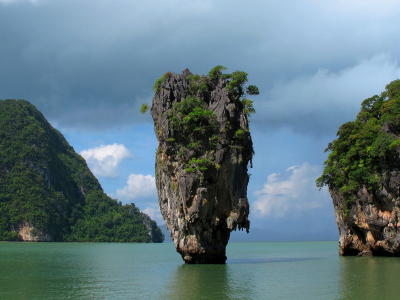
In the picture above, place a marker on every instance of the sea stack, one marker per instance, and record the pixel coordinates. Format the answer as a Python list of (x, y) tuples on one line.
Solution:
[(204, 148), (363, 176)]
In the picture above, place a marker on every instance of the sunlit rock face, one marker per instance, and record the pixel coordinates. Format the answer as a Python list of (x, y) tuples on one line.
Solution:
[(372, 225), (29, 233), (201, 176)]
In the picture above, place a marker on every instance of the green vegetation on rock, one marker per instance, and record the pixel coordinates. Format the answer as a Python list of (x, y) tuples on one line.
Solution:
[(363, 150), (192, 119), (160, 81), (194, 130), (45, 183), (216, 72), (237, 91), (198, 85), (194, 127), (144, 108)]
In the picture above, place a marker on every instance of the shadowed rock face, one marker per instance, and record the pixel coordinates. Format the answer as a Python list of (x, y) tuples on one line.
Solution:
[(372, 226), (203, 206)]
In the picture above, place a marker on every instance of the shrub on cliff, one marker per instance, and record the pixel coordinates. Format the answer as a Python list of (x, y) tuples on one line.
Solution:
[(160, 81), (193, 127), (363, 149), (198, 85)]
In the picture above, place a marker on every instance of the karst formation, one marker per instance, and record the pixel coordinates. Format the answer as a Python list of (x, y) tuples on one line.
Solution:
[(204, 150)]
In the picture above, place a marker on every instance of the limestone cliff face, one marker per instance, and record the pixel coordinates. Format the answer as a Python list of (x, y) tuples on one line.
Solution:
[(29, 233), (372, 225), (202, 205)]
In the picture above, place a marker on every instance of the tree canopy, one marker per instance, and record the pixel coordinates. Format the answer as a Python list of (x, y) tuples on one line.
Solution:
[(363, 150)]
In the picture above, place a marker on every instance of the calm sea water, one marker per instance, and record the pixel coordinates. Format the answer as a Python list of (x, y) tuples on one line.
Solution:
[(301, 270)]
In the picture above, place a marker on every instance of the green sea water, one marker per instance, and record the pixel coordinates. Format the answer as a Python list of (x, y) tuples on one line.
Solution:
[(301, 270)]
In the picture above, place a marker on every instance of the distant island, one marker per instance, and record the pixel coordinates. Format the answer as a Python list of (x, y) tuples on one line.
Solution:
[(363, 175), (48, 193)]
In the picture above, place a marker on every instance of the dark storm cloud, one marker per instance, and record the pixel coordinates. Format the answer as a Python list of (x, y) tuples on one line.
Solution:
[(90, 64), (320, 103)]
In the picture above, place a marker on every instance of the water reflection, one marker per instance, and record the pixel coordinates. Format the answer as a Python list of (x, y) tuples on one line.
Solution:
[(267, 260), (199, 282), (241, 278), (369, 277)]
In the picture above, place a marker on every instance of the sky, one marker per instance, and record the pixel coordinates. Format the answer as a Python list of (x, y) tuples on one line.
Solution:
[(88, 65)]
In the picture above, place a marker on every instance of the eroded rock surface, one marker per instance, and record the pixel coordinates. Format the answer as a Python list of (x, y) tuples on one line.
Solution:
[(201, 206), (29, 233), (372, 225)]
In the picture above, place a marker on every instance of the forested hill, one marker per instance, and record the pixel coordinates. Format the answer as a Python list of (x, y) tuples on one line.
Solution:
[(47, 191)]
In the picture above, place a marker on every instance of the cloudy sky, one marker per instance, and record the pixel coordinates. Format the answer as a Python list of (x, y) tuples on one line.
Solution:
[(89, 64)]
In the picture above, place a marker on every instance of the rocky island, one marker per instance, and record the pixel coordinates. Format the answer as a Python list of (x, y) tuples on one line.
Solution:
[(363, 175), (48, 193), (204, 149)]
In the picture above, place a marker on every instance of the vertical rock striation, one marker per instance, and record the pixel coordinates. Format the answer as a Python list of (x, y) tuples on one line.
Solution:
[(372, 225), (204, 147)]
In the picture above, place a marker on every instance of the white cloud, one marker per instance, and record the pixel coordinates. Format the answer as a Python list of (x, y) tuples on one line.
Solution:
[(104, 160), (297, 192), (138, 186)]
